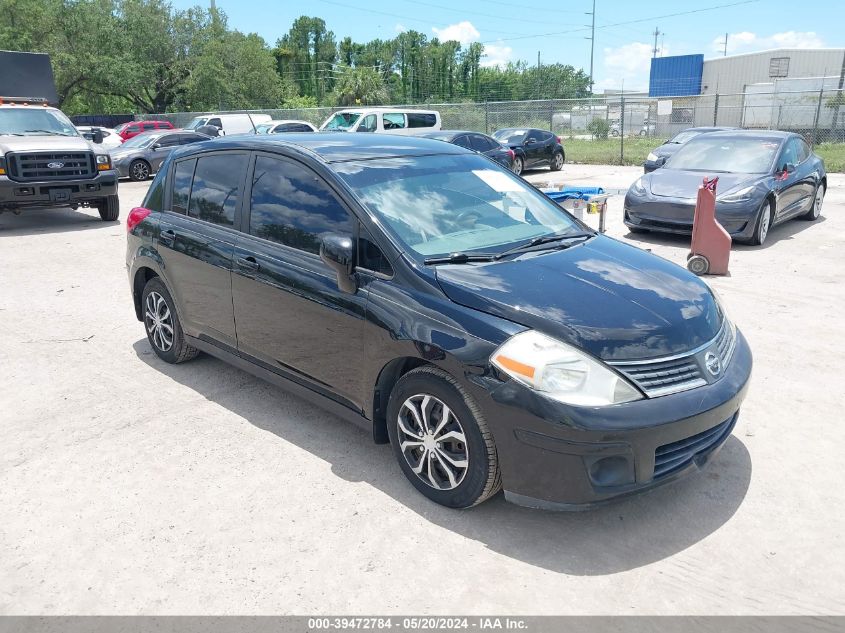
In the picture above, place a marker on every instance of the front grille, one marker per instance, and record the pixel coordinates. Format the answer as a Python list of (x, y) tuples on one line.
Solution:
[(671, 457), (31, 166), (663, 376)]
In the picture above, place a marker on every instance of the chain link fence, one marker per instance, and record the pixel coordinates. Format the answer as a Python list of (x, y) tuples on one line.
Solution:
[(622, 129)]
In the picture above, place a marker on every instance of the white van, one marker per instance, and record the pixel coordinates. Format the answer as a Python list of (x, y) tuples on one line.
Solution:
[(230, 123), (390, 120)]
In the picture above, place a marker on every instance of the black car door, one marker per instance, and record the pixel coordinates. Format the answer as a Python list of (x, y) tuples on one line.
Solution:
[(290, 314), (196, 240), (534, 148)]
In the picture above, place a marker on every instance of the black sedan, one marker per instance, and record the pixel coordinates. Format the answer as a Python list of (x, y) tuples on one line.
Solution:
[(533, 148), (657, 157), (142, 155), (765, 178), (475, 141)]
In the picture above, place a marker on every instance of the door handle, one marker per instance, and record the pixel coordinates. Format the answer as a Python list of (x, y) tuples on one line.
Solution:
[(168, 237), (247, 262)]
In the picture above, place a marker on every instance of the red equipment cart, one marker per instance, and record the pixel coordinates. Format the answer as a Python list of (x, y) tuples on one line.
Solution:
[(711, 244)]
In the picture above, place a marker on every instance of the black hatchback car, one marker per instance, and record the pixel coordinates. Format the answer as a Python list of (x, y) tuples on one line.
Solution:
[(477, 142), (445, 306), (534, 148)]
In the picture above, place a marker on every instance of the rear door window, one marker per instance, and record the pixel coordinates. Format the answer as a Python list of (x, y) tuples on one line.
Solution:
[(462, 141), (393, 121), (215, 122), (421, 119), (290, 205), (481, 143), (169, 140), (216, 188), (369, 124)]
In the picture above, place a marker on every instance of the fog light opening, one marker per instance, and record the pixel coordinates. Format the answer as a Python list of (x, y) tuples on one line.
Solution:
[(611, 471)]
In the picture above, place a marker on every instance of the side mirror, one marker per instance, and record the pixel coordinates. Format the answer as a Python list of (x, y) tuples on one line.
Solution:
[(156, 146), (789, 168), (660, 161), (338, 252), (97, 136)]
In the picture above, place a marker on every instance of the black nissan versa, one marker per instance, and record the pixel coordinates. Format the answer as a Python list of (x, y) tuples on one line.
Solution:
[(443, 304)]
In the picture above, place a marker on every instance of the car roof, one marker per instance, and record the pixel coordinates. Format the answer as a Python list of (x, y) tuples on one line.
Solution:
[(335, 147), (278, 121), (774, 135), (443, 134)]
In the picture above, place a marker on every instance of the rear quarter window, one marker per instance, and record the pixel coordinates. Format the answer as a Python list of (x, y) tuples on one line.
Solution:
[(417, 119)]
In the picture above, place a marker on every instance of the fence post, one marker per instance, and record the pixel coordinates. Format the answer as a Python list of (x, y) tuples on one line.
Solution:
[(486, 116), (551, 115), (716, 110), (622, 129), (816, 118)]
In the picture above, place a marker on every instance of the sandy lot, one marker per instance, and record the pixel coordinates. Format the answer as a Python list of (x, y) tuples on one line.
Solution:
[(131, 486)]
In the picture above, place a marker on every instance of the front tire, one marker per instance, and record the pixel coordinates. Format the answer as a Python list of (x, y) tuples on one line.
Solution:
[(139, 170), (763, 224), (557, 162), (815, 210), (161, 322), (518, 165), (109, 208), (441, 440)]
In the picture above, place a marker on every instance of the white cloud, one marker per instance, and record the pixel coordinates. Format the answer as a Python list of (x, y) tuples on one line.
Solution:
[(400, 28), (496, 55), (629, 63), (747, 42), (463, 32)]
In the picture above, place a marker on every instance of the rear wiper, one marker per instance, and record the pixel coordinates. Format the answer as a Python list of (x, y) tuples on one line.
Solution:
[(548, 239), (51, 132), (461, 258)]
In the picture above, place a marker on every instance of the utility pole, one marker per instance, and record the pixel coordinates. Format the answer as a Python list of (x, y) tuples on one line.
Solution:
[(592, 39), (538, 74), (725, 49), (654, 50)]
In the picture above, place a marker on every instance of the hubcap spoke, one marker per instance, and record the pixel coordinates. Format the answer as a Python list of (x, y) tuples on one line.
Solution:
[(159, 322)]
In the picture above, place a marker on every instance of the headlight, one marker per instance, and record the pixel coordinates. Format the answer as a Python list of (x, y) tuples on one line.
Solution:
[(561, 371), (103, 162), (651, 156), (737, 196), (638, 188)]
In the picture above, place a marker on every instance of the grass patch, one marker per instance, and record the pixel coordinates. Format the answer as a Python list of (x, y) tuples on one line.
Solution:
[(833, 155), (606, 152)]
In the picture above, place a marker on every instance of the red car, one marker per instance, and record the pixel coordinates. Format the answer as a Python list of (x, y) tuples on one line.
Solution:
[(134, 128)]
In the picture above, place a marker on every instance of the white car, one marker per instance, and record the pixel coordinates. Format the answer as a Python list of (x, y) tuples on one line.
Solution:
[(277, 127), (389, 120), (111, 139), (238, 123)]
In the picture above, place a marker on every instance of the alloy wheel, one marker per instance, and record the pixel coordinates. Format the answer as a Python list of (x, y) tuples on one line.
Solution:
[(159, 321), (558, 161), (817, 202), (517, 166), (140, 171), (432, 441)]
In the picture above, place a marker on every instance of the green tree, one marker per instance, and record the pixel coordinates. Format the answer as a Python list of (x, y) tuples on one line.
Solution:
[(306, 56), (362, 85)]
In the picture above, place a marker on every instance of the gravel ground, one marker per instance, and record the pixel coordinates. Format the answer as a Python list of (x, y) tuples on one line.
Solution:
[(130, 486)]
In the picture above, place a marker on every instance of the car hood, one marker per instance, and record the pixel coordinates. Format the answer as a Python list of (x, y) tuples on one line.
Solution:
[(119, 152), (45, 143), (613, 300), (677, 183)]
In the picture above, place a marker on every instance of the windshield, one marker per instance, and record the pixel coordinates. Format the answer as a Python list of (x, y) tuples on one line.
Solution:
[(341, 121), (682, 137), (197, 122), (263, 128), (733, 155), (140, 141), (510, 137), (34, 121), (444, 204)]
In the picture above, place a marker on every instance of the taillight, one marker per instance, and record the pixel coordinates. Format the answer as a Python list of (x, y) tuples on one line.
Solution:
[(135, 216), (559, 140), (512, 153)]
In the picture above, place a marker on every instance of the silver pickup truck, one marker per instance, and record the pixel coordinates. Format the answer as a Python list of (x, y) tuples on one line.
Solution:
[(46, 163)]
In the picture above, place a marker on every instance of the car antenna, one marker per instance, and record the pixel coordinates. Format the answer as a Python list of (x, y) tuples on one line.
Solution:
[(252, 123)]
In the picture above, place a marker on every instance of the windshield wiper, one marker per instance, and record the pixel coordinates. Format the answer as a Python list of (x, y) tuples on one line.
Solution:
[(51, 132), (563, 240), (461, 258)]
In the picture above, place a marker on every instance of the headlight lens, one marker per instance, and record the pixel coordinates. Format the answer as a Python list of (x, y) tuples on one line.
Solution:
[(561, 371), (651, 156), (638, 188), (103, 162), (737, 196)]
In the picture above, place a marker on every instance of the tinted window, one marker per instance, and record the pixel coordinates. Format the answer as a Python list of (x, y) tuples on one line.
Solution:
[(217, 188), (462, 141), (190, 138), (291, 206), (482, 143), (183, 174), (370, 255), (418, 119), (393, 121), (803, 150), (149, 125), (790, 153), (169, 140), (215, 122), (510, 137), (133, 128), (155, 195), (303, 128)]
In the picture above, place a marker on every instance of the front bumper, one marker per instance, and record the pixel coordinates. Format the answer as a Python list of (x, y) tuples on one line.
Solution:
[(675, 215), (56, 193), (557, 456)]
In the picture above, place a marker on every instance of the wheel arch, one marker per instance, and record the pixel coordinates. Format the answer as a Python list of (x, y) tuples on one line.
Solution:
[(386, 381), (139, 281)]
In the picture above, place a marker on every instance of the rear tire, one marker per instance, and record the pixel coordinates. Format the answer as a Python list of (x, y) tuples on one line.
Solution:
[(518, 165), (109, 208), (461, 468), (161, 322), (557, 162), (815, 210)]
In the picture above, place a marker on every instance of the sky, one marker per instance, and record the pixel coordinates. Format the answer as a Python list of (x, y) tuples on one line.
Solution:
[(559, 31)]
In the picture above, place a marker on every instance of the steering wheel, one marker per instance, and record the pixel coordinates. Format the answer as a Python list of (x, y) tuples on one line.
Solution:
[(464, 216)]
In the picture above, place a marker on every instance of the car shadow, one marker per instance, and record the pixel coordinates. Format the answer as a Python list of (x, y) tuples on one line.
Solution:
[(620, 536), (48, 221), (778, 233)]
